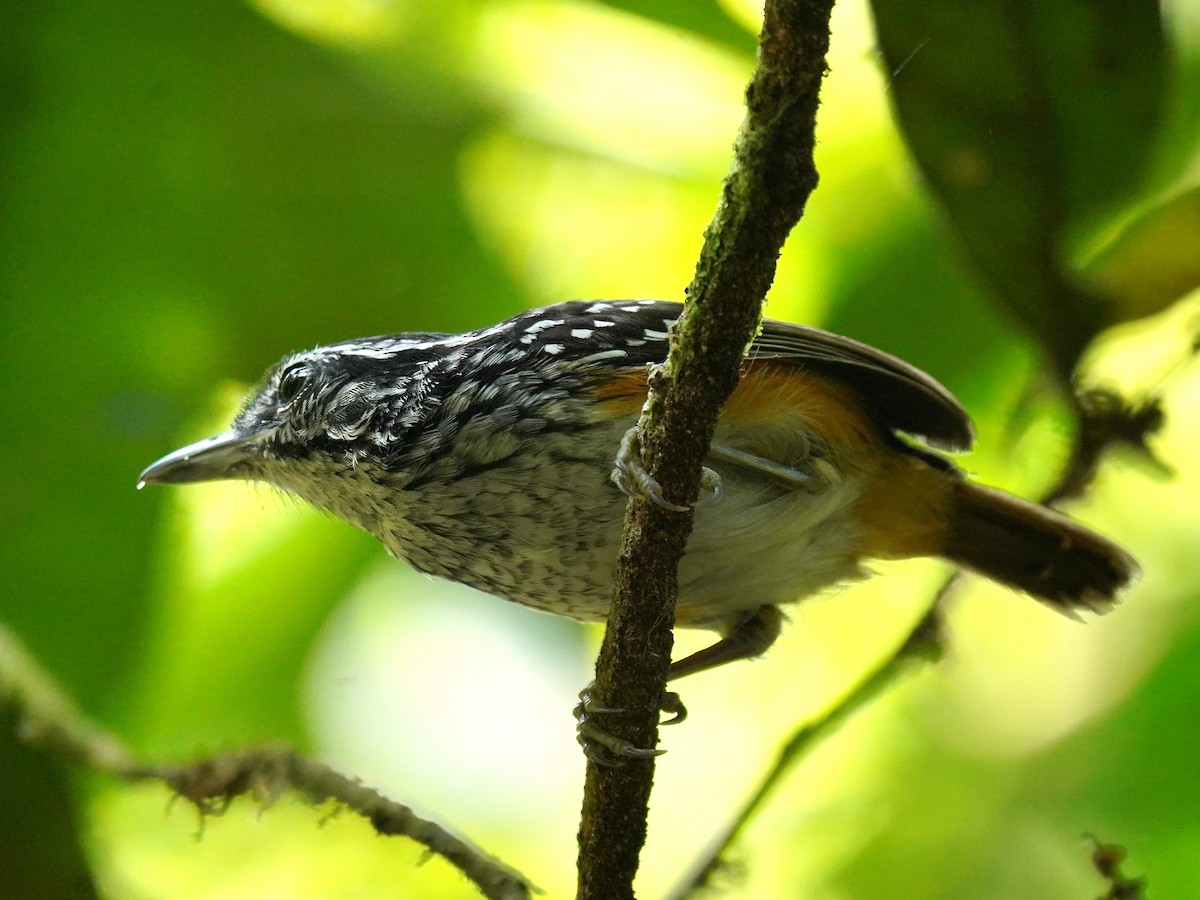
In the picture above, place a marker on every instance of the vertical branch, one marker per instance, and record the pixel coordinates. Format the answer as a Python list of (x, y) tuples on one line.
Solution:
[(764, 196)]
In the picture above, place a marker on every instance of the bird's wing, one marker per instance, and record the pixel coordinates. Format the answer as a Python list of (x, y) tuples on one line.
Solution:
[(898, 394)]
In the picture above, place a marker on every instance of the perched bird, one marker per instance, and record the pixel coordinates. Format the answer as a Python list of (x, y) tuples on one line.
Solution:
[(487, 458)]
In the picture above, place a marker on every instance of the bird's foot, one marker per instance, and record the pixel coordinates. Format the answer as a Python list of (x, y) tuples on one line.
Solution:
[(608, 750), (631, 477)]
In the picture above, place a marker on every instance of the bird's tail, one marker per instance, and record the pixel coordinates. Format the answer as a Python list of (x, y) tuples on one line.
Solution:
[(1035, 549)]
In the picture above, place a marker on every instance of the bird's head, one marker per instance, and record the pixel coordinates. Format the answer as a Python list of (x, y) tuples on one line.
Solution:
[(341, 411)]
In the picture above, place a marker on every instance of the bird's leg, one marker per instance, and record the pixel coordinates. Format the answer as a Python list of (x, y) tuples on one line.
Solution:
[(749, 637)]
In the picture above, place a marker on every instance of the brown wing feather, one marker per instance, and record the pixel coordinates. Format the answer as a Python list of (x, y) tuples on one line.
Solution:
[(898, 394)]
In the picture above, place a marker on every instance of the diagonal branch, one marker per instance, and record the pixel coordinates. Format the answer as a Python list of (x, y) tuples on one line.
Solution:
[(1103, 421), (764, 196), (47, 719)]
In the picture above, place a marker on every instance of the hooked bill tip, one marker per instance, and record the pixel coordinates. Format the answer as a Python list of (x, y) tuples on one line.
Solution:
[(213, 459)]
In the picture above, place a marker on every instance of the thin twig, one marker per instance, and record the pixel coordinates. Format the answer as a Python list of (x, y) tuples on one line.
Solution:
[(1101, 425), (47, 719), (764, 195), (924, 642)]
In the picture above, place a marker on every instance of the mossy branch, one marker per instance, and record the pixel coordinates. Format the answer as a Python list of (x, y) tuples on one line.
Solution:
[(47, 719), (772, 176)]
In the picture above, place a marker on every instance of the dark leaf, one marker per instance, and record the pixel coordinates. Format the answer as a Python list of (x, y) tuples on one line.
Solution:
[(1031, 121)]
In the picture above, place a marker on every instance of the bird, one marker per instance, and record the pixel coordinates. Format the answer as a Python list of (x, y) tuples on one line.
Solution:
[(487, 458)]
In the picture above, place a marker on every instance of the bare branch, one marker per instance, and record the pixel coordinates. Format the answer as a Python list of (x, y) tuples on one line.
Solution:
[(47, 719)]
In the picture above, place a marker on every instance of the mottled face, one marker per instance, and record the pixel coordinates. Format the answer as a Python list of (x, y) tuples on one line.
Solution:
[(330, 412), (320, 403)]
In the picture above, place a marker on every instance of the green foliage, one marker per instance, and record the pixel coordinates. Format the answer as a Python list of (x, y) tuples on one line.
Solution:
[(190, 192), (1030, 121)]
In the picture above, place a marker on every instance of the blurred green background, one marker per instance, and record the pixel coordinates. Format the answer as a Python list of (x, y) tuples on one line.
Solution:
[(190, 191)]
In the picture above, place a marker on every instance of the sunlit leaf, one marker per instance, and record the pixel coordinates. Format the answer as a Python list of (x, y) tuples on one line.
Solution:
[(1155, 260), (706, 19)]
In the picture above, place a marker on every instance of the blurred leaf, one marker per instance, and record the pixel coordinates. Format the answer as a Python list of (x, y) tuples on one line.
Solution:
[(1030, 122), (190, 194), (706, 19), (909, 268), (1141, 788), (670, 107), (233, 635), (41, 856), (1155, 260), (187, 196)]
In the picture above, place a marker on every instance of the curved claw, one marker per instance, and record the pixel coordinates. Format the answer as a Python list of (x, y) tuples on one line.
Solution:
[(711, 488), (632, 478), (671, 703), (634, 481), (608, 750), (587, 706), (618, 750)]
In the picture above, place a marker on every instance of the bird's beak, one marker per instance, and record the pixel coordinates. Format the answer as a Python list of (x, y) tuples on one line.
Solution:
[(214, 459)]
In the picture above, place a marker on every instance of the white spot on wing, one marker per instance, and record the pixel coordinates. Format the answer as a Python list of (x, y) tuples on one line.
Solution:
[(542, 325)]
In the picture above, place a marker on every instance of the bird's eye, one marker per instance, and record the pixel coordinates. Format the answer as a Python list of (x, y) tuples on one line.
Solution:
[(290, 382)]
